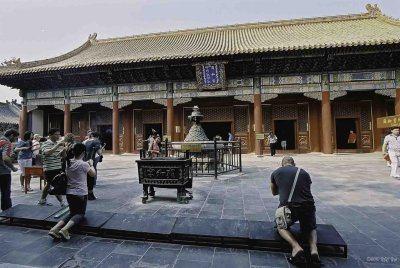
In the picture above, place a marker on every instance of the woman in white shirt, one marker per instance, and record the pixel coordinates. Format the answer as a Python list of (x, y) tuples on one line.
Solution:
[(77, 192)]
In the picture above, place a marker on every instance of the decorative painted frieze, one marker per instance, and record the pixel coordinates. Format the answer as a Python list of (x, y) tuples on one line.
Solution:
[(121, 104), (290, 80), (288, 89), (108, 105), (185, 85), (91, 99), (30, 108), (75, 106), (31, 95), (387, 92), (90, 91), (175, 102), (361, 76), (142, 96), (59, 107), (142, 88), (250, 98), (265, 97), (318, 95), (234, 83), (38, 102), (362, 86), (219, 93)]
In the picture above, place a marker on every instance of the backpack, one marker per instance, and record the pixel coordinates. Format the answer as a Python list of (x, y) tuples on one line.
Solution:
[(58, 185)]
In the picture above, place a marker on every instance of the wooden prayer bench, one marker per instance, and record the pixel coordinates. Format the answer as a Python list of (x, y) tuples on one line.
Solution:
[(33, 171)]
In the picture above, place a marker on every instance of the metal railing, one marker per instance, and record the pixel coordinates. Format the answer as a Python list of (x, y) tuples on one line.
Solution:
[(209, 158)]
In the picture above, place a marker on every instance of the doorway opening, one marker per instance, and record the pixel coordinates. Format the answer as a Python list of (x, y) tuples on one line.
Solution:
[(213, 129), (285, 130), (343, 128), (105, 132), (149, 127)]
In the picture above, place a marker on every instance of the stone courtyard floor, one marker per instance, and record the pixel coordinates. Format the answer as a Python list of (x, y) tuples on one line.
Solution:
[(353, 192)]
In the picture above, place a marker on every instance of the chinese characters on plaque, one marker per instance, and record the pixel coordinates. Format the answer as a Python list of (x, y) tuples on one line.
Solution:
[(210, 75), (388, 121)]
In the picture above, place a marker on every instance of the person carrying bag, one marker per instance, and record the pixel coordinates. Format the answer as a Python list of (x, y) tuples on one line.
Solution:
[(283, 215)]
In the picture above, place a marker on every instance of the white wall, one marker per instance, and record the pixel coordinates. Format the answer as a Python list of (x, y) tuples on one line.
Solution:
[(37, 122)]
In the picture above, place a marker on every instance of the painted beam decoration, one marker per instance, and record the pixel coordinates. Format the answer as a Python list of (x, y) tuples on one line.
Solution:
[(210, 75)]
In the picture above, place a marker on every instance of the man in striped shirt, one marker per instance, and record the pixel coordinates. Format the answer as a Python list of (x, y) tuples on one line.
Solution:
[(52, 153), (6, 166)]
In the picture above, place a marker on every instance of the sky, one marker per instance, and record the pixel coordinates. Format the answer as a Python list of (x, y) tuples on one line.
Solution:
[(39, 29)]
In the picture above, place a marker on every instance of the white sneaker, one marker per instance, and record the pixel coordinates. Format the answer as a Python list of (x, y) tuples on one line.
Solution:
[(54, 234), (63, 204), (23, 188), (43, 202), (64, 234)]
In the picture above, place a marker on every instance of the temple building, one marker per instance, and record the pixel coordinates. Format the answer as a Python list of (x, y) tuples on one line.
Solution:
[(310, 81), (9, 115)]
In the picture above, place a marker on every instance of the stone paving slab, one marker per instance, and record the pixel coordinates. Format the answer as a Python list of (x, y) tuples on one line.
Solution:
[(353, 192)]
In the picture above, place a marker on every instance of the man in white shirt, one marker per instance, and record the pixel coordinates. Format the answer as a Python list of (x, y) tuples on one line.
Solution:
[(391, 146)]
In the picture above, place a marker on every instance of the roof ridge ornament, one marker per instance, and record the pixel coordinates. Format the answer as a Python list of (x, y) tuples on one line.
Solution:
[(12, 62), (373, 10), (92, 38)]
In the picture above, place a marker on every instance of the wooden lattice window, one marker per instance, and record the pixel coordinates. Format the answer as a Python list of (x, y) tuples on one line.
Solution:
[(165, 121), (284, 111), (267, 117), (217, 113), (346, 110), (153, 116), (303, 117), (241, 119), (365, 122), (138, 121), (186, 122), (75, 123)]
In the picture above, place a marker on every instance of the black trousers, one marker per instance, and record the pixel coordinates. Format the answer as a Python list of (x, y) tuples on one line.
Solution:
[(77, 207), (90, 183), (5, 187), (273, 148)]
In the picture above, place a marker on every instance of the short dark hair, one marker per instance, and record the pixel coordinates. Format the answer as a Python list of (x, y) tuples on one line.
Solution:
[(95, 134), (27, 135), (53, 130), (10, 132)]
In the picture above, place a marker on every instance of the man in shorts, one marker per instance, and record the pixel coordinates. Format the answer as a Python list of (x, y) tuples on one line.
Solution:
[(301, 205), (53, 152)]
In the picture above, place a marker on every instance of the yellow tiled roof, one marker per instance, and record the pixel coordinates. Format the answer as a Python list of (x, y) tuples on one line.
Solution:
[(371, 28)]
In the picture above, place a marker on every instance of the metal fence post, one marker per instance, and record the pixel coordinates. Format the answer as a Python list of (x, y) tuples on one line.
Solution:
[(166, 147), (215, 159), (240, 154)]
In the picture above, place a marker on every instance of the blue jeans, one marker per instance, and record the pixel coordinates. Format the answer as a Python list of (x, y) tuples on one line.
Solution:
[(5, 187)]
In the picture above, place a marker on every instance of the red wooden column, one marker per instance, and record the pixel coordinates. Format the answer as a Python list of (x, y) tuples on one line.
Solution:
[(170, 111), (258, 116), (170, 118), (67, 118), (397, 102), (23, 120), (115, 127), (326, 116)]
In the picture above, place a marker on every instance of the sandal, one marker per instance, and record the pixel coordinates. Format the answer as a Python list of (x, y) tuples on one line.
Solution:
[(299, 260), (315, 261)]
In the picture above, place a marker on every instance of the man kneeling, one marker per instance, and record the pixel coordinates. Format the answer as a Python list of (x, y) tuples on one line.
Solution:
[(301, 205)]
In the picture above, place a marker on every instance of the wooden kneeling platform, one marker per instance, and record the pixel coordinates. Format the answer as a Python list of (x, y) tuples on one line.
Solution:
[(179, 230)]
